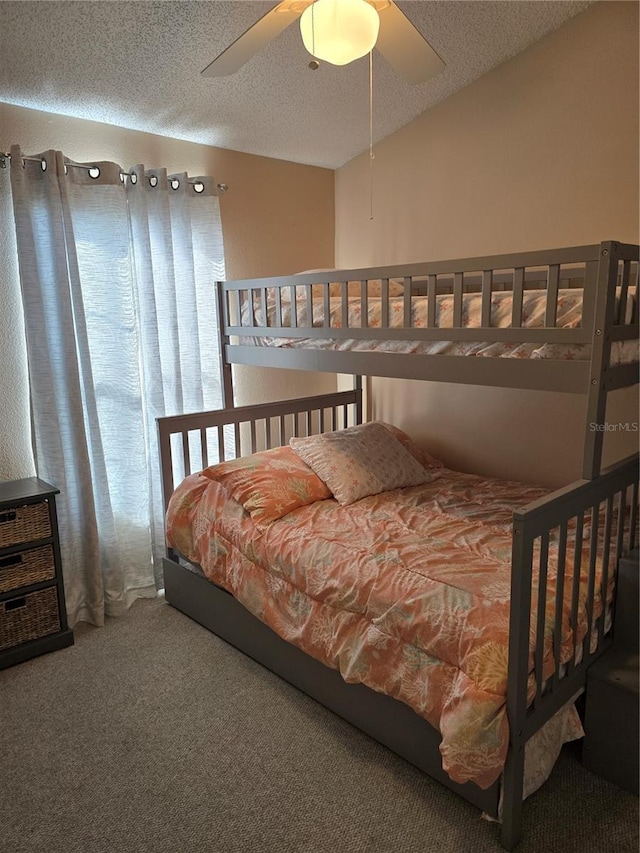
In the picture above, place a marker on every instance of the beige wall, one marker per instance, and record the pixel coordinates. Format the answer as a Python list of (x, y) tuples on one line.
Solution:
[(540, 152), (277, 217)]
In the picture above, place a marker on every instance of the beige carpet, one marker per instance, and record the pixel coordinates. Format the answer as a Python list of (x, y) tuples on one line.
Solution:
[(153, 736)]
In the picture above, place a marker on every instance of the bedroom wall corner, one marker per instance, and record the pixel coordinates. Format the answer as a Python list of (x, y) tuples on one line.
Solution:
[(540, 152)]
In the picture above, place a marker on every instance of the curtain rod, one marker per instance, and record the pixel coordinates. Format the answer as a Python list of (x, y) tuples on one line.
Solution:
[(4, 157)]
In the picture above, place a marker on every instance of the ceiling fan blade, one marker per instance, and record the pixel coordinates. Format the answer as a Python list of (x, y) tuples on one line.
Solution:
[(404, 48), (255, 38)]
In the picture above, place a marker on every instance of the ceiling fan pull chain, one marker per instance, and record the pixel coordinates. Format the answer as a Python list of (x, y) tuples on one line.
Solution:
[(371, 154)]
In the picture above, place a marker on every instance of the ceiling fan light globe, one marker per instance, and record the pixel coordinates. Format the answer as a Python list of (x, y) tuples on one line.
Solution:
[(339, 31)]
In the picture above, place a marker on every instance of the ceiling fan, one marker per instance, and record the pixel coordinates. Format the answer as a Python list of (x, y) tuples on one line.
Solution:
[(338, 31)]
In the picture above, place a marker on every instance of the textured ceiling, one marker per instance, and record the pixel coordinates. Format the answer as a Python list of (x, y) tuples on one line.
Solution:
[(138, 64)]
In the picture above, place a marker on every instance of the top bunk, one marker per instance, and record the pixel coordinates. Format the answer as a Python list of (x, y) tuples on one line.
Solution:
[(554, 320)]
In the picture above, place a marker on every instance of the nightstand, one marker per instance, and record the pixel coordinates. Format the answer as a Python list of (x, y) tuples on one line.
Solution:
[(33, 618)]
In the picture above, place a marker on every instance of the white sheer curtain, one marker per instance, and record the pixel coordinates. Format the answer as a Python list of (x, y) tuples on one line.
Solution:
[(117, 275)]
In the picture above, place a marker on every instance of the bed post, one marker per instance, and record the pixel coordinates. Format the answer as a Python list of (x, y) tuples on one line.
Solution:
[(357, 387), (519, 620), (603, 321), (225, 368)]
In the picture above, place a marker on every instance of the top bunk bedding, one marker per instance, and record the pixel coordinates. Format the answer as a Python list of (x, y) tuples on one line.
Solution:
[(552, 320), (368, 314)]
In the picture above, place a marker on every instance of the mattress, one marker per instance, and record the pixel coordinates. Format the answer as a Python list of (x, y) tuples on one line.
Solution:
[(406, 592), (569, 316)]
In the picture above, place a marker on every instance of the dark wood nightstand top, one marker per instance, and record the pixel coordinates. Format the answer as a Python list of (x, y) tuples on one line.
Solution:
[(25, 490)]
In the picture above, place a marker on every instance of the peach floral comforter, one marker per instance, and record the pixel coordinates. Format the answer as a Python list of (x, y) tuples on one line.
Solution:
[(569, 316), (406, 591)]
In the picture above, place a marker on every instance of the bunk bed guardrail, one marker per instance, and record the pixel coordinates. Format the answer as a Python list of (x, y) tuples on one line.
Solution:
[(599, 517), (580, 268)]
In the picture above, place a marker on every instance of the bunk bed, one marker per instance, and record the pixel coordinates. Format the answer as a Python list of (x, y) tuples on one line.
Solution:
[(562, 320)]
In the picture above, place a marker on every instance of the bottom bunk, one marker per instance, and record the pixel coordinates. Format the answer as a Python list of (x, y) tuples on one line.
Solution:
[(557, 598)]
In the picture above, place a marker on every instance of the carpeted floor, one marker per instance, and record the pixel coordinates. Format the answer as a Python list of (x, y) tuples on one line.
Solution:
[(153, 736)]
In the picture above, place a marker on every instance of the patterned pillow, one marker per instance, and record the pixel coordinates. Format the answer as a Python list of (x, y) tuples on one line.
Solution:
[(418, 453), (360, 461), (269, 484)]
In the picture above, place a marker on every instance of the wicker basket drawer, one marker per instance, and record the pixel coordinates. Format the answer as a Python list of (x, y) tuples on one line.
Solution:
[(28, 617), (24, 524), (27, 567)]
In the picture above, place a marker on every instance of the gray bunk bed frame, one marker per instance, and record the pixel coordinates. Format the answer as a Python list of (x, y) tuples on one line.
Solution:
[(607, 499)]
